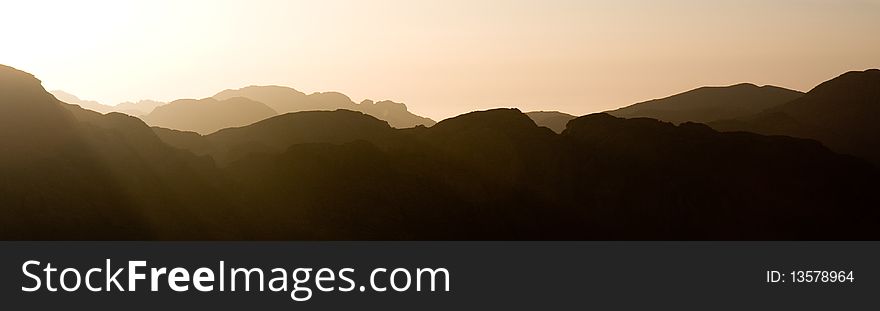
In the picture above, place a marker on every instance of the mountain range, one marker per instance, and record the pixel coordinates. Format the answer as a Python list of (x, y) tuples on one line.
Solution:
[(70, 173), (234, 108), (137, 109), (284, 100), (839, 113)]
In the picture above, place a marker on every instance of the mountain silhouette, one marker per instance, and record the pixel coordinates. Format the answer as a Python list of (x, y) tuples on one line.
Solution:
[(497, 175), (208, 115), (85, 104), (841, 113), (284, 100), (71, 173), (278, 133), (553, 120), (708, 104)]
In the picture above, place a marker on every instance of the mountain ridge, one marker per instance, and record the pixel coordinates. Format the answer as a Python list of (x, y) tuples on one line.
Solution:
[(71, 173), (285, 99), (840, 113), (710, 103)]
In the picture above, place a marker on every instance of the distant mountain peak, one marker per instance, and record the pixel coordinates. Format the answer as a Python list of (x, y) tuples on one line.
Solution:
[(285, 99)]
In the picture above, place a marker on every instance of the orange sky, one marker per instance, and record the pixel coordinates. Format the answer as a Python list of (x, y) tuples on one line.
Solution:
[(441, 58)]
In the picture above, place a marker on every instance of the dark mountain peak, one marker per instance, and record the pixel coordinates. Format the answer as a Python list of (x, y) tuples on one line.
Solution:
[(277, 133), (497, 119), (867, 72), (841, 113), (607, 118), (603, 126), (711, 103), (601, 122), (849, 100), (749, 85), (319, 116), (867, 81), (305, 123)]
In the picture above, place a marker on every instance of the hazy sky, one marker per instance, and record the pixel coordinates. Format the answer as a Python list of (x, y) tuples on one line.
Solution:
[(441, 57)]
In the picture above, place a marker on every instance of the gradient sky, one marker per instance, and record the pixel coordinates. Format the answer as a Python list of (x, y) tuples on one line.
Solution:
[(441, 58)]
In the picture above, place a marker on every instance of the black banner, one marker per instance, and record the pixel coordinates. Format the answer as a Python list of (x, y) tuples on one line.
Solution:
[(468, 275)]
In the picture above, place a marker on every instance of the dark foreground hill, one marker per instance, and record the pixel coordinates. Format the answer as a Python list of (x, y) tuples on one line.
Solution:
[(74, 174), (842, 113), (497, 175), (708, 104), (71, 173)]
